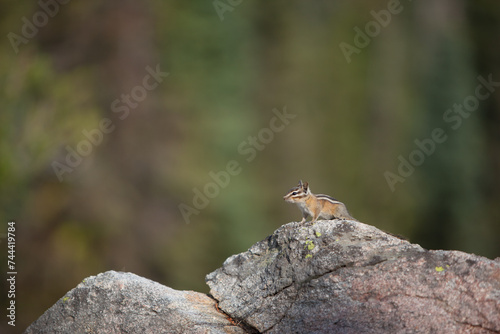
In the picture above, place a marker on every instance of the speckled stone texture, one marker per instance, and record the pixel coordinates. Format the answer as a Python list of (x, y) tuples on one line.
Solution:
[(116, 302), (348, 277), (328, 277)]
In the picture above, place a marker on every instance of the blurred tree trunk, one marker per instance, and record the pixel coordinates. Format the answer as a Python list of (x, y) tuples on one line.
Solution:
[(450, 176), (115, 210), (484, 22)]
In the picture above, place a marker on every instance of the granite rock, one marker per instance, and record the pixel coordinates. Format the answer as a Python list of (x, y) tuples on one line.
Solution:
[(117, 302), (348, 277), (332, 276)]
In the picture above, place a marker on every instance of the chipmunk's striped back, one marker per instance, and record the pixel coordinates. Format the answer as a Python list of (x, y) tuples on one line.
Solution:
[(328, 198)]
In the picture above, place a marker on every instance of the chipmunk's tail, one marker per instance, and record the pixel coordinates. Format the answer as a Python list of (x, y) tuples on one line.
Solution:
[(344, 214)]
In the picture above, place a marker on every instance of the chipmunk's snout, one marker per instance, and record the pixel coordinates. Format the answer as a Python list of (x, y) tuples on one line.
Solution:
[(291, 196)]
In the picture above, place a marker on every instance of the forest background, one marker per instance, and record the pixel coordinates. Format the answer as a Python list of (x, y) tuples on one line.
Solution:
[(158, 137)]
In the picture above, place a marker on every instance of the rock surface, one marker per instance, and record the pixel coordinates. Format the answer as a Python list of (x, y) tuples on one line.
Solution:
[(327, 277), (348, 277), (115, 302)]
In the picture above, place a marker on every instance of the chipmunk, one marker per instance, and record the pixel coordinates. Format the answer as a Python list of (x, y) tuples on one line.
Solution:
[(316, 205)]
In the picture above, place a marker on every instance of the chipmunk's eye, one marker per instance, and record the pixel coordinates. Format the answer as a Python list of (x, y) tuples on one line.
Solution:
[(294, 193)]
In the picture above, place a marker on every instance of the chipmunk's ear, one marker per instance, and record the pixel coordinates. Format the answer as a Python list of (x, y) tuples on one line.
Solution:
[(305, 186), (300, 183)]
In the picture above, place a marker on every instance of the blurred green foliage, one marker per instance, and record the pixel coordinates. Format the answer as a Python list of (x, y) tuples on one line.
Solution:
[(119, 208)]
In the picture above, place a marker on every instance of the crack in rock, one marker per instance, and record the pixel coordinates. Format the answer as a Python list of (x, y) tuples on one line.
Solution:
[(332, 276)]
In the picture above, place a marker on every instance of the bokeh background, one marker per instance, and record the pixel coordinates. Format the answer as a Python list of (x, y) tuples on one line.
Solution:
[(230, 64)]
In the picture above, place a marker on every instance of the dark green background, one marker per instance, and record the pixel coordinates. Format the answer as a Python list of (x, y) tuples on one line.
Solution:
[(119, 208)]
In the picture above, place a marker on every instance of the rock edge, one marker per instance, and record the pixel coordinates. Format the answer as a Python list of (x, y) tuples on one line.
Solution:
[(118, 302)]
